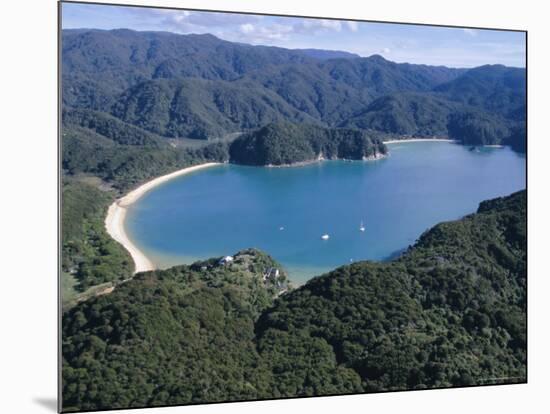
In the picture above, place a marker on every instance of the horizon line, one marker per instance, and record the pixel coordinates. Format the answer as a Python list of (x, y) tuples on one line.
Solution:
[(356, 55)]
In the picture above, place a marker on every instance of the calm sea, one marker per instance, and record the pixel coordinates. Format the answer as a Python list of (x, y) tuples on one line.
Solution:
[(285, 211)]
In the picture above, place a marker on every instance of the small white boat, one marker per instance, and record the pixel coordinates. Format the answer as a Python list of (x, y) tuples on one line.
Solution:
[(362, 227), (325, 237)]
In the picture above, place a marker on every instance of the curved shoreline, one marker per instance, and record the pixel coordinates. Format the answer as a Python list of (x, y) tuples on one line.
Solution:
[(116, 214), (319, 159)]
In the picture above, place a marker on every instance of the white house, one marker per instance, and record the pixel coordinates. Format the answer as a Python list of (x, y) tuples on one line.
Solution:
[(226, 259)]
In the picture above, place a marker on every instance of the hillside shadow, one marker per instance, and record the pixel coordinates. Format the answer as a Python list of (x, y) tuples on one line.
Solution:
[(395, 255)]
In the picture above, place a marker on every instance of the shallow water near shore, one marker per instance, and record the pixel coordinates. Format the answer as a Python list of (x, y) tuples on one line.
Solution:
[(285, 211)]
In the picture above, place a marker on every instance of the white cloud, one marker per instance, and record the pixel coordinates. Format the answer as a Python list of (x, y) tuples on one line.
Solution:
[(470, 32), (169, 12), (246, 28), (353, 26), (277, 31), (210, 19), (180, 17), (183, 21), (260, 34), (331, 24), (312, 26), (386, 50)]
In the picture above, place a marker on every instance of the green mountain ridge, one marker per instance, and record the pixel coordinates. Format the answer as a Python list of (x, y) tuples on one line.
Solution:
[(198, 86), (495, 88), (202, 109), (406, 114)]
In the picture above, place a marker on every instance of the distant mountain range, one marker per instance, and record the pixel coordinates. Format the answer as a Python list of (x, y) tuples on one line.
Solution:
[(327, 54), (202, 87)]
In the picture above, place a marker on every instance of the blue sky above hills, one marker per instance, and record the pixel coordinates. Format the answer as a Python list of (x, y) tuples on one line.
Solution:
[(454, 47)]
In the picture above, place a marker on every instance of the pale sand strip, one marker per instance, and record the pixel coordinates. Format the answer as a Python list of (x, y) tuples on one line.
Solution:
[(114, 222), (396, 141)]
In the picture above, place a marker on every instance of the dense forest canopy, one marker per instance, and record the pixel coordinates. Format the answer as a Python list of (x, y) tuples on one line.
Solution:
[(286, 144), (450, 311)]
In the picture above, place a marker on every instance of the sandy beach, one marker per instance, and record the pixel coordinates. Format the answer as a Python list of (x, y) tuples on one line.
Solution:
[(396, 141), (114, 222)]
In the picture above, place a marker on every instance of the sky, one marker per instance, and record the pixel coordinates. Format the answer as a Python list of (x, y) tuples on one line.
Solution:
[(453, 47)]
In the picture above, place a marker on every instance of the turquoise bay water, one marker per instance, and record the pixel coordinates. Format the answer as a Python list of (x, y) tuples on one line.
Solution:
[(221, 210)]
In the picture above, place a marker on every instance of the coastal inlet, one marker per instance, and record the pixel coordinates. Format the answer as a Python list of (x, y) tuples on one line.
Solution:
[(285, 211)]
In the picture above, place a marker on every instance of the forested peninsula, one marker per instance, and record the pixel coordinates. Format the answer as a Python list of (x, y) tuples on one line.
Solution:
[(289, 144)]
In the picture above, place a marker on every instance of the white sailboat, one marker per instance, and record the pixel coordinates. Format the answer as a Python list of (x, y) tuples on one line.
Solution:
[(325, 237), (361, 226)]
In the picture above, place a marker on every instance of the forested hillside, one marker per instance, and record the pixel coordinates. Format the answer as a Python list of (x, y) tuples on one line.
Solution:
[(89, 256), (449, 311), (287, 144), (201, 87)]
